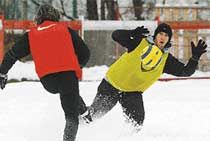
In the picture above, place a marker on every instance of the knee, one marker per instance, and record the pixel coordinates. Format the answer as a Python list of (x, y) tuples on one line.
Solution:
[(70, 105), (50, 89)]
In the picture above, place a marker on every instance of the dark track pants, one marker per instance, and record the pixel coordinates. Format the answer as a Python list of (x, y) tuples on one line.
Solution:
[(108, 96), (66, 84)]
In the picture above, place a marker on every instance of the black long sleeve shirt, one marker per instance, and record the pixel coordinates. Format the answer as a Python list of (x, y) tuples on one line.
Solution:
[(173, 65), (22, 48)]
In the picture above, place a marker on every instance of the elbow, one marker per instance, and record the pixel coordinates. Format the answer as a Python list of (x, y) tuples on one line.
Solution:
[(84, 60), (115, 35), (188, 73)]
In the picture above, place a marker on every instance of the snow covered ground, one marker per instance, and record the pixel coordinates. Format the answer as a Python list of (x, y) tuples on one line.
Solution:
[(175, 111)]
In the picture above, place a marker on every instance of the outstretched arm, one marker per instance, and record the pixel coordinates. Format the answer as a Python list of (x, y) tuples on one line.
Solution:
[(175, 67), (130, 38)]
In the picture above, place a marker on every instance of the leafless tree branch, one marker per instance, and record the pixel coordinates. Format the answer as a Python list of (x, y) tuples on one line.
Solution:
[(35, 2), (63, 12)]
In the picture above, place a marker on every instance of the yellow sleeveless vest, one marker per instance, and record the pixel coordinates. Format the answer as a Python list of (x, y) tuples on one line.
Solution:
[(126, 73)]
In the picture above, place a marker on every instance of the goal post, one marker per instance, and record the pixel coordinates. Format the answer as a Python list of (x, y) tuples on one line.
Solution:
[(1, 37)]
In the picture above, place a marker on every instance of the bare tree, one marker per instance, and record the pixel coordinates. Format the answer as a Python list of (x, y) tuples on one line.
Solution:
[(164, 2), (110, 5), (35, 2), (25, 7), (10, 9), (62, 10), (39, 2), (138, 9), (92, 10)]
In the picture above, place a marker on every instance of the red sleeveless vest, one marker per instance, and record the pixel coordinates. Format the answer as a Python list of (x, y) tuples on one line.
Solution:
[(52, 49)]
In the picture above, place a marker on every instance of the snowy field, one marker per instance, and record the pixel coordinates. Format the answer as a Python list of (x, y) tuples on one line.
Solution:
[(175, 111)]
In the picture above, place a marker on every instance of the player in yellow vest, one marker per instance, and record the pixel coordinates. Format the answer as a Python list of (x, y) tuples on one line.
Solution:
[(137, 69)]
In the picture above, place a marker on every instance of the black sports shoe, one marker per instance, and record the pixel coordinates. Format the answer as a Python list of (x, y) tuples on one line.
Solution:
[(86, 116)]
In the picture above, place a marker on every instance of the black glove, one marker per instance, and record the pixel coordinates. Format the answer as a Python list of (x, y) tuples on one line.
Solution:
[(198, 50), (139, 32), (3, 80)]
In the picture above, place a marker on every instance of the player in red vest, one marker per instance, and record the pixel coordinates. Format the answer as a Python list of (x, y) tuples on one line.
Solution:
[(59, 54)]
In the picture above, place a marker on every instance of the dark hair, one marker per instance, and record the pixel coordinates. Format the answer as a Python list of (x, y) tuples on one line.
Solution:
[(46, 12), (163, 27)]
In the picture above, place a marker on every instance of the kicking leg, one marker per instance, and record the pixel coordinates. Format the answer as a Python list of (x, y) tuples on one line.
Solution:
[(106, 98)]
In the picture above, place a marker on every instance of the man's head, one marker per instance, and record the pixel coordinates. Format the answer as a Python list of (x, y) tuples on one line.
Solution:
[(47, 12), (162, 35)]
